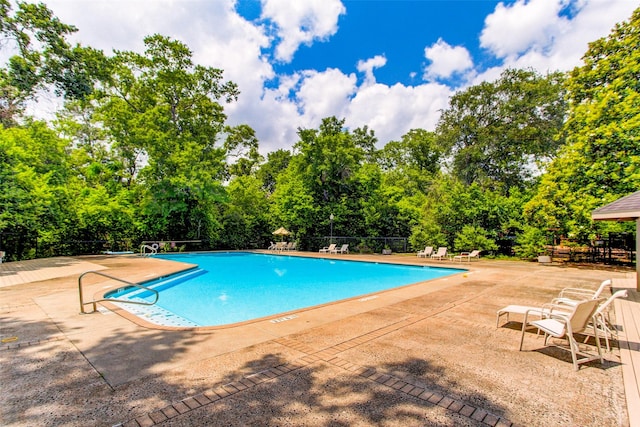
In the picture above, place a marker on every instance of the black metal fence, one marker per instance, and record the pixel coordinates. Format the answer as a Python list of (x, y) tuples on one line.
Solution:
[(617, 249), (18, 247)]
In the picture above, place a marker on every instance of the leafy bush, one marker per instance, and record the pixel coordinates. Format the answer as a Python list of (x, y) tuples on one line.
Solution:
[(472, 237), (363, 248), (530, 243), (427, 233)]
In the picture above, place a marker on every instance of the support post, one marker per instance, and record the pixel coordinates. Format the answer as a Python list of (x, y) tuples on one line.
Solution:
[(637, 254)]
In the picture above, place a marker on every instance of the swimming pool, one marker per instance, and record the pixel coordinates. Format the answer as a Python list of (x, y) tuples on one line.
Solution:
[(240, 286)]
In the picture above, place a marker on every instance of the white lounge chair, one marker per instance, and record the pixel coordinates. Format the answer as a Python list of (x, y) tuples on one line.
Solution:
[(570, 296), (271, 247), (541, 311), (467, 256), (328, 249), (343, 250), (565, 325), (560, 304), (442, 252), (603, 323), (426, 252)]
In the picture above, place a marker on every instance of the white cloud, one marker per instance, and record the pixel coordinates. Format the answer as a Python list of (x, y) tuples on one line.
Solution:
[(326, 93), (301, 22), (391, 111), (526, 36), (520, 34), (274, 118), (369, 65), (524, 25), (595, 19), (446, 60)]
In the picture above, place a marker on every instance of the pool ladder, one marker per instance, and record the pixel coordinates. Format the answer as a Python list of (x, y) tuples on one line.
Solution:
[(94, 302), (153, 249)]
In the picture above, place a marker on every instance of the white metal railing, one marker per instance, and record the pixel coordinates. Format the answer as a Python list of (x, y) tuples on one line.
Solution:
[(153, 249), (137, 285)]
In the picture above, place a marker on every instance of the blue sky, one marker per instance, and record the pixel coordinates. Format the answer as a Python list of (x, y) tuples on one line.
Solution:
[(399, 30), (389, 64)]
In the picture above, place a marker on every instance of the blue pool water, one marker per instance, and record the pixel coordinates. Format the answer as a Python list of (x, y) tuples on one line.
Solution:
[(236, 287)]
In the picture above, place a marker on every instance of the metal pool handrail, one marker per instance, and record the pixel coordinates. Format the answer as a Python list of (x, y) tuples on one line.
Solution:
[(137, 285)]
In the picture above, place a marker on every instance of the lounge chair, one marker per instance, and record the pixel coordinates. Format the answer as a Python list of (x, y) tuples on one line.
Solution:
[(525, 310), (565, 325), (467, 256), (570, 296), (328, 249), (442, 252), (561, 304), (271, 247), (603, 323), (291, 246), (426, 253), (343, 250)]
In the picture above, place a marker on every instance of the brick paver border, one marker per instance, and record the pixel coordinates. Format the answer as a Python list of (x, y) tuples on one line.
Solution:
[(327, 355), (12, 345)]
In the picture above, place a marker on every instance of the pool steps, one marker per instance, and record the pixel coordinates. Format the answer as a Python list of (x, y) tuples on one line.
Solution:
[(154, 313)]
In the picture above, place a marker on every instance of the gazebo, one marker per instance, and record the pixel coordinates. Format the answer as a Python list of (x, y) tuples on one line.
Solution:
[(624, 209)]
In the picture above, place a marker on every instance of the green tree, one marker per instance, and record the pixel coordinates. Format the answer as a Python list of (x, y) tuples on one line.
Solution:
[(472, 237), (292, 204), (245, 217), (417, 150), (449, 206), (427, 232), (328, 163), (530, 243), (601, 161), (44, 57), (277, 161), (33, 178), (241, 146), (498, 131), (412, 162), (162, 107)]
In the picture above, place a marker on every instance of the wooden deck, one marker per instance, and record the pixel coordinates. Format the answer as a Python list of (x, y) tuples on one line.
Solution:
[(628, 316)]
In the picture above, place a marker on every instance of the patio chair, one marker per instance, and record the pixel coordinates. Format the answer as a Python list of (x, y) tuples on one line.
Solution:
[(559, 325), (292, 246), (541, 311), (343, 250), (442, 252), (570, 296), (271, 247), (426, 252), (603, 322), (467, 256), (328, 249)]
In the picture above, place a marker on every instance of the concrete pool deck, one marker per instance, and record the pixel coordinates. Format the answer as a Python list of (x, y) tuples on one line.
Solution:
[(426, 354)]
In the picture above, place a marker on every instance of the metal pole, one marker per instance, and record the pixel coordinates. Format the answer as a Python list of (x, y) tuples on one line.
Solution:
[(331, 230)]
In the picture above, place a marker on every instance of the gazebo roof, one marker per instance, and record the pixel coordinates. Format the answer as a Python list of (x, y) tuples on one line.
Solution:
[(624, 209)]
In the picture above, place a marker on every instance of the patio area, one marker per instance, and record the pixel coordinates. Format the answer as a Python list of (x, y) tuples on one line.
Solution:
[(425, 354)]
